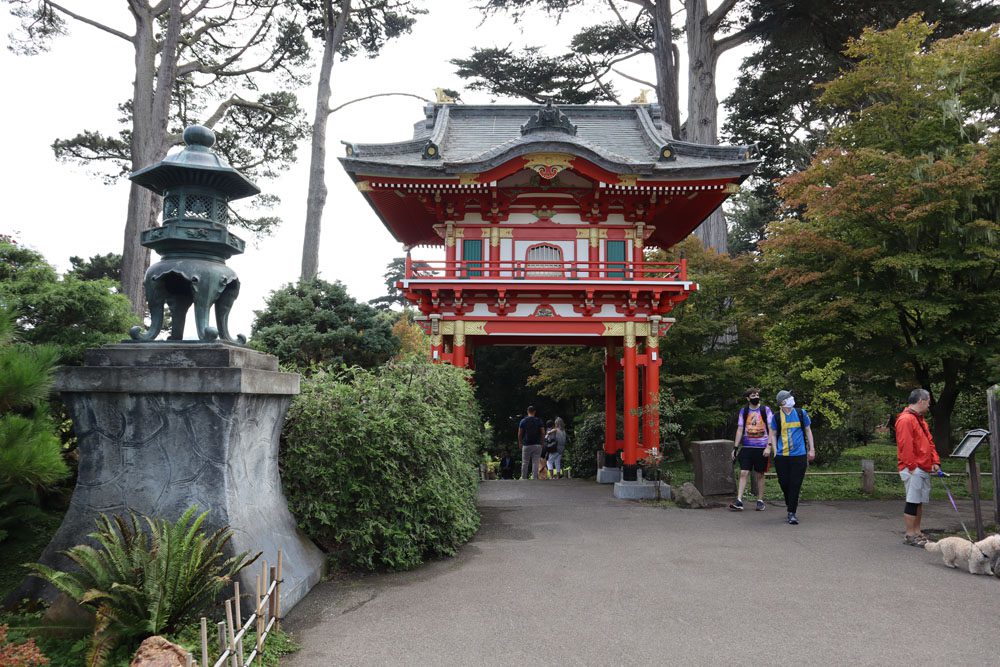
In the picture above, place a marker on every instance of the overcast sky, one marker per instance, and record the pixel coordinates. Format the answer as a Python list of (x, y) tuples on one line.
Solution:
[(63, 210)]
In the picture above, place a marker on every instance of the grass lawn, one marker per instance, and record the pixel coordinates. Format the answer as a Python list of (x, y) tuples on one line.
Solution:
[(848, 487)]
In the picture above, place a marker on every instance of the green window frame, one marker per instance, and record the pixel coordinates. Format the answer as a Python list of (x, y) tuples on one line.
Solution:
[(615, 252), (472, 257)]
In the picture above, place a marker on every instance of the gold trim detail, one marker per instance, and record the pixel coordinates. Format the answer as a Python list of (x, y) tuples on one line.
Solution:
[(475, 328), (652, 342), (593, 234), (547, 165), (459, 333), (628, 180), (468, 179), (614, 329), (364, 186), (448, 328), (506, 232), (436, 340), (630, 334), (732, 188)]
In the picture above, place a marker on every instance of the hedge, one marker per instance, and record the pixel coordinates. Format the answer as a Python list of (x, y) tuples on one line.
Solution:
[(379, 466)]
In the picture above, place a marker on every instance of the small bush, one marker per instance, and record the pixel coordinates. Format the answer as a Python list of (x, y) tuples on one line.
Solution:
[(380, 467)]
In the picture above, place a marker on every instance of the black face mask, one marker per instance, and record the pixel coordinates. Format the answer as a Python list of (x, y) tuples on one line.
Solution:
[(755, 402)]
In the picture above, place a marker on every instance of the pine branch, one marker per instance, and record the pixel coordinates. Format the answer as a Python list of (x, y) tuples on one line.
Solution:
[(89, 21)]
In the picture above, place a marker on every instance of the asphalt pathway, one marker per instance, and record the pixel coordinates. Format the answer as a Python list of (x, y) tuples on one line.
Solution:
[(561, 573)]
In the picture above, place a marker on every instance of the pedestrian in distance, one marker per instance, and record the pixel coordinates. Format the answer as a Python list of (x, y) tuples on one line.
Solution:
[(555, 440), (918, 460), (530, 432), (790, 433), (750, 445), (547, 441)]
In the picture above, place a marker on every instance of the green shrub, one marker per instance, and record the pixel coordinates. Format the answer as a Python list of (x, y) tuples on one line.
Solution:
[(586, 440), (380, 467), (30, 456), (141, 585)]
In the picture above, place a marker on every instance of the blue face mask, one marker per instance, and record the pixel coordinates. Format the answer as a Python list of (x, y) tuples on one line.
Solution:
[(790, 402)]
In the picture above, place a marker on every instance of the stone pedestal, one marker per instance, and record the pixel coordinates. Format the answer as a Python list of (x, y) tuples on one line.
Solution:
[(713, 467), (164, 426), (609, 475), (641, 490)]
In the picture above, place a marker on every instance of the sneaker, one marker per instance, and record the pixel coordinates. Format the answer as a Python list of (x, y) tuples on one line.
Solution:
[(736, 506), (760, 506), (792, 519)]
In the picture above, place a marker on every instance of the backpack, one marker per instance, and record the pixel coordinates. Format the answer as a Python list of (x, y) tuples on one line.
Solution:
[(745, 410)]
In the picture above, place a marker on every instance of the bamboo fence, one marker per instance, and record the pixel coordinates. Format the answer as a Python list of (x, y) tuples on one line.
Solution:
[(266, 616)]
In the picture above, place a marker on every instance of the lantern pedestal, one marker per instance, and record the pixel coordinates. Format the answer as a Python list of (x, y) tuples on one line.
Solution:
[(164, 426)]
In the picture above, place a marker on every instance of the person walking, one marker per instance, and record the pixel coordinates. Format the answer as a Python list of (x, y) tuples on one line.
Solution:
[(918, 460), (530, 432), (749, 445), (789, 434), (558, 439)]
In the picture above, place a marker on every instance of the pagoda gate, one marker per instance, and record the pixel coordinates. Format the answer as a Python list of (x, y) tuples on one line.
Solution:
[(544, 214)]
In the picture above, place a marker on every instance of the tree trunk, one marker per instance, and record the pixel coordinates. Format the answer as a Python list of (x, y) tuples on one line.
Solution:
[(942, 408), (701, 126), (316, 197), (666, 67), (151, 96)]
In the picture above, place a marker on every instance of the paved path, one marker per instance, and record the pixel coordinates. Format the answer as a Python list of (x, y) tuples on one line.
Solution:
[(594, 581)]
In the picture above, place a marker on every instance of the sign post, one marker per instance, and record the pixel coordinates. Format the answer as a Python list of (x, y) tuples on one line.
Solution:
[(967, 450)]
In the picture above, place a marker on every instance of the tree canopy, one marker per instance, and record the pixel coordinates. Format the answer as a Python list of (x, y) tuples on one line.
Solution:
[(894, 266), (315, 322)]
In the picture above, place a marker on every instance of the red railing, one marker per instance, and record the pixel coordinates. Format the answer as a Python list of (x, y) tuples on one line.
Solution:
[(417, 269)]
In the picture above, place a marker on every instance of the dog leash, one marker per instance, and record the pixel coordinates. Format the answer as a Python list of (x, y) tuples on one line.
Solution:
[(941, 474)]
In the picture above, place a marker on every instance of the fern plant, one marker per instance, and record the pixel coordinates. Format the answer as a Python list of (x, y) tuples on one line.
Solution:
[(148, 577)]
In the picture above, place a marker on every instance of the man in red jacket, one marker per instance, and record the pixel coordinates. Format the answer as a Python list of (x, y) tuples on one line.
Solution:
[(918, 459)]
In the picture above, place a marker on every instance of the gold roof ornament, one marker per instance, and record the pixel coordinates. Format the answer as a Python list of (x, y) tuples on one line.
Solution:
[(643, 97), (442, 97)]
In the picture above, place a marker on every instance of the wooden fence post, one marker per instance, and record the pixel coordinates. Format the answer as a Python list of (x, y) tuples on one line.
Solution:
[(993, 407), (867, 476), (204, 642)]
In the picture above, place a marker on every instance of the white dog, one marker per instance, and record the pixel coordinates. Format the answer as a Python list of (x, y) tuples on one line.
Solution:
[(954, 550)]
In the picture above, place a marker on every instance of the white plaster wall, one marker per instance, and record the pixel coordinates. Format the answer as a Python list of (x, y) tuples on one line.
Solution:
[(480, 310), (607, 310), (567, 247)]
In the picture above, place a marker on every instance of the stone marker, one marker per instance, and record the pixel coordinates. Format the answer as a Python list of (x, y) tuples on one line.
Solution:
[(713, 467)]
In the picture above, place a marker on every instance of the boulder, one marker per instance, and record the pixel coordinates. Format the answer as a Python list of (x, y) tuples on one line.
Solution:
[(689, 496), (158, 652)]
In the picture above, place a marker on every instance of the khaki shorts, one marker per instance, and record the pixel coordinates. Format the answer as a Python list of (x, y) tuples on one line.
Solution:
[(918, 485)]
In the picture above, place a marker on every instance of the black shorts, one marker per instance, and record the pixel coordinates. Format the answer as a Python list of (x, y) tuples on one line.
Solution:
[(752, 458)]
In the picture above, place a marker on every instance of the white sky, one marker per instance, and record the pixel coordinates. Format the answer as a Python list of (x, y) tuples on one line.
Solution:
[(63, 210)]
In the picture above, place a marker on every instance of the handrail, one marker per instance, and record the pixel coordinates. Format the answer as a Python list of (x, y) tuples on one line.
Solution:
[(541, 269)]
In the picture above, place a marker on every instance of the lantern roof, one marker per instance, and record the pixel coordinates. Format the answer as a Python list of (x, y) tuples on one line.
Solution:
[(196, 165)]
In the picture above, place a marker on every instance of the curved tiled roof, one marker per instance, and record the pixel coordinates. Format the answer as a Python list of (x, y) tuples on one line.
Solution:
[(457, 138)]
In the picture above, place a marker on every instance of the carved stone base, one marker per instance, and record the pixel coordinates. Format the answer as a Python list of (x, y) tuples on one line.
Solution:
[(164, 426)]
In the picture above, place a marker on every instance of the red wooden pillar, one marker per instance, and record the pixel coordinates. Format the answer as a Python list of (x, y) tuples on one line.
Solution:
[(458, 357), (630, 455), (651, 394), (494, 259), (638, 256), (610, 401), (449, 251), (594, 254)]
